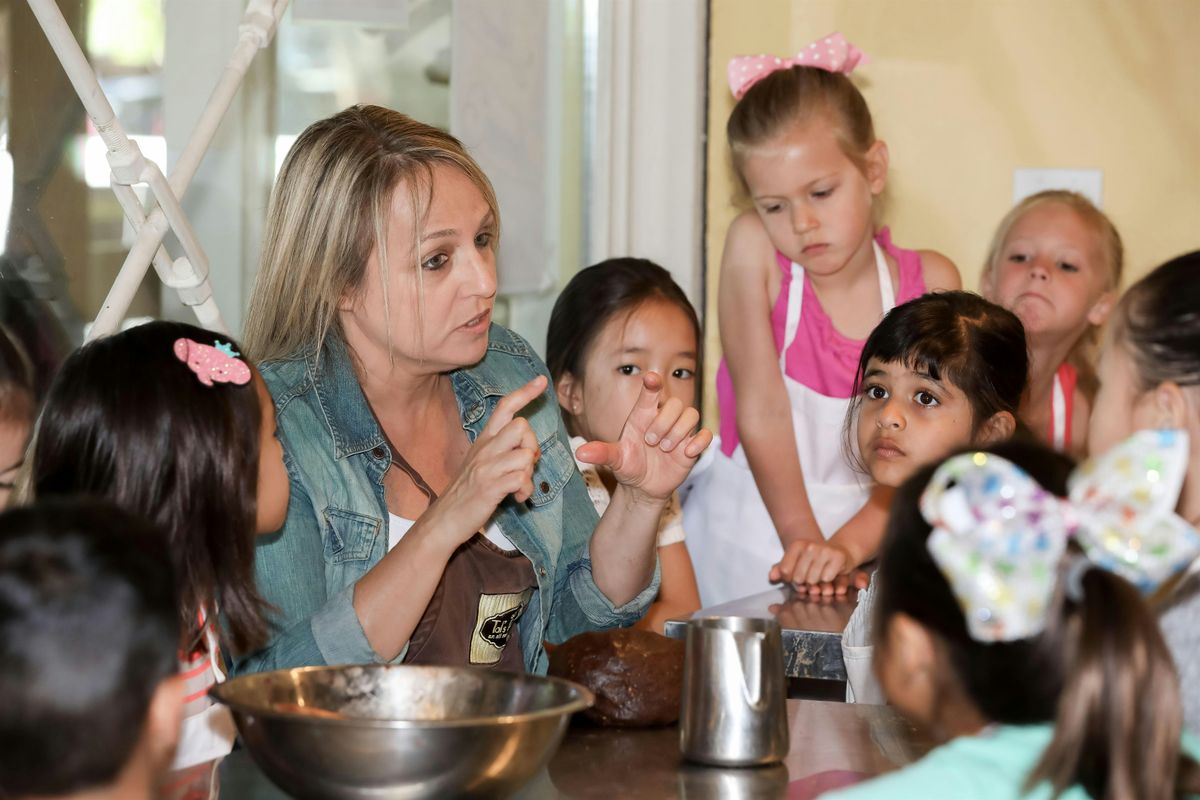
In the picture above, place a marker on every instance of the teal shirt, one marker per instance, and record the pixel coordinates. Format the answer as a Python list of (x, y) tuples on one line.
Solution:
[(991, 765), (337, 521)]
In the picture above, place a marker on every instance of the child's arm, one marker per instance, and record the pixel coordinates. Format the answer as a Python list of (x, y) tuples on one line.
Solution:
[(939, 272), (678, 595), (764, 413), (819, 563)]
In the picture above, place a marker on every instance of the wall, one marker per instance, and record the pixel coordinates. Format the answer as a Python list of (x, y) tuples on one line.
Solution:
[(965, 91)]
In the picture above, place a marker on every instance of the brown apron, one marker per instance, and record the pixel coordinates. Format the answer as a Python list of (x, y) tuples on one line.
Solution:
[(472, 618), (473, 615)]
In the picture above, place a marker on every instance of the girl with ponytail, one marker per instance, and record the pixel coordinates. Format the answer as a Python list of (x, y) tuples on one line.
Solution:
[(1011, 625)]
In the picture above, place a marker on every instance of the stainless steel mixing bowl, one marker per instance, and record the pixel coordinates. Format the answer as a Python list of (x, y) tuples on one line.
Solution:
[(391, 732)]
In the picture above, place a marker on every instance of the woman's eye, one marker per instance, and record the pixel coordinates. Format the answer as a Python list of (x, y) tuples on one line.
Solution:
[(683, 374), (435, 262), (925, 399), (627, 369), (483, 239), (875, 393)]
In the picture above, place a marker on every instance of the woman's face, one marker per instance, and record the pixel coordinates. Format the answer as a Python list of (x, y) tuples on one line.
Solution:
[(436, 309)]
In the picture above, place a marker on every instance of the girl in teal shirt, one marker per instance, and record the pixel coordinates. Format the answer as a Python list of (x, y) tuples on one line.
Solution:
[(1010, 625)]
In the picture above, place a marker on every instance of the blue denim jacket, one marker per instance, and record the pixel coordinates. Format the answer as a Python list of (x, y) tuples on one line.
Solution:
[(337, 528)]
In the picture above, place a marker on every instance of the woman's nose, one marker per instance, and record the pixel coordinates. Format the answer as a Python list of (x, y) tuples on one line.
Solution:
[(483, 278)]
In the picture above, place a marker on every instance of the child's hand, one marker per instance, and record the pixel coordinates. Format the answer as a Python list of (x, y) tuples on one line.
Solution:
[(814, 566), (657, 448)]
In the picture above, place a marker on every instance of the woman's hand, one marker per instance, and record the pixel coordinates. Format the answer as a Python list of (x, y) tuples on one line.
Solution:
[(500, 463), (657, 448)]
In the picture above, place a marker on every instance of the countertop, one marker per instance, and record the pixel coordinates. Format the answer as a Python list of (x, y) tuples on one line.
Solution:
[(831, 744)]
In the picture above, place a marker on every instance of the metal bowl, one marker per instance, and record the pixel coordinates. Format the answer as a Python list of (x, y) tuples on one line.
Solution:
[(390, 732)]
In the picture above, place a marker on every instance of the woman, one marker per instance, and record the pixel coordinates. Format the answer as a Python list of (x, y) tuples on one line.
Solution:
[(435, 506)]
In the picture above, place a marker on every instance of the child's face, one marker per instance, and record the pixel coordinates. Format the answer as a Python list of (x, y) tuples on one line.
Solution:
[(14, 436), (1121, 407), (907, 420), (812, 199), (273, 487), (657, 336), (1052, 274)]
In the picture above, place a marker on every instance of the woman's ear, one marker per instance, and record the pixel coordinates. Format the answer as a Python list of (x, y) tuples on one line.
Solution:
[(876, 163), (569, 391), (999, 428)]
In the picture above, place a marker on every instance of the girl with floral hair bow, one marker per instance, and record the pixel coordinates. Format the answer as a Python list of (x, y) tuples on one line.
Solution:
[(1011, 624), (806, 274)]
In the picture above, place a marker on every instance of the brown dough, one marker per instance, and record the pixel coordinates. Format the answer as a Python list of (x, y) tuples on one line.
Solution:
[(637, 676)]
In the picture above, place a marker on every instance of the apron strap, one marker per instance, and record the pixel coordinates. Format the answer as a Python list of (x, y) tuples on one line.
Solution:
[(887, 300), (1058, 415)]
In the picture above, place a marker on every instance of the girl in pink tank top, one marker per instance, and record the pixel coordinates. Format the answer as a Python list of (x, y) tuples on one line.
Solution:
[(804, 279)]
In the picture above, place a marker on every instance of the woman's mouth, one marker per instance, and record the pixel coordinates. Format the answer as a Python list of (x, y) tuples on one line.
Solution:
[(478, 323)]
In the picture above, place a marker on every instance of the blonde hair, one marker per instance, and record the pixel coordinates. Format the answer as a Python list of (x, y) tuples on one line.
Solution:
[(1112, 250), (794, 97), (329, 212)]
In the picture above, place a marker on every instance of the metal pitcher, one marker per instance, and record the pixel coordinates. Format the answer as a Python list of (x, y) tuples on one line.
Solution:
[(734, 696)]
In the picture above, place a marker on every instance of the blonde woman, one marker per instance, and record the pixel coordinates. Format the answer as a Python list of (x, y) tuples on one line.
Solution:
[(436, 513)]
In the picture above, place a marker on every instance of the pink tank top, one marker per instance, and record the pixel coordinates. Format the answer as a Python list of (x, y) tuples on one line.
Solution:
[(819, 357)]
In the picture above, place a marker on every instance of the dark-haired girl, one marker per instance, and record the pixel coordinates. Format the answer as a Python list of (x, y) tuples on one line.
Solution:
[(168, 421), (1150, 379), (614, 322), (1009, 628), (940, 372)]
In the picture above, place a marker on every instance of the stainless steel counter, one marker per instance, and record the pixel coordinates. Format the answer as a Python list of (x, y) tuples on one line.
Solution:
[(812, 628), (832, 744)]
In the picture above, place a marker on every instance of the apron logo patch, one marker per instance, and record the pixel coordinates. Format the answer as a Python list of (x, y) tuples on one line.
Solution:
[(495, 622)]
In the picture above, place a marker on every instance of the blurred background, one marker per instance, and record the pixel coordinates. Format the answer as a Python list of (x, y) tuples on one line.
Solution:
[(601, 123)]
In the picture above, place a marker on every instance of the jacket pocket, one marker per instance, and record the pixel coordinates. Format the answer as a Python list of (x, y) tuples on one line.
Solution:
[(348, 536), (552, 472)]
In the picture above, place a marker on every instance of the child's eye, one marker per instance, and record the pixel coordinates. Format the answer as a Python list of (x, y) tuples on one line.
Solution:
[(875, 392), (628, 369), (435, 262), (774, 208), (1017, 258), (823, 193), (925, 399), (1065, 267), (483, 239), (683, 374)]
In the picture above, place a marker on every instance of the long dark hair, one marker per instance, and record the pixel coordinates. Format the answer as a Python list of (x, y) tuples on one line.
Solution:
[(597, 294), (957, 336), (127, 421), (1158, 319), (1100, 672)]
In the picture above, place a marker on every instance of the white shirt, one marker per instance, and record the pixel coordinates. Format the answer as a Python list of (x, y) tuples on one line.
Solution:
[(670, 525), (398, 526)]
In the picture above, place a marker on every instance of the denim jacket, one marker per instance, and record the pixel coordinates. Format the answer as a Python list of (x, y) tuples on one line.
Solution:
[(337, 521)]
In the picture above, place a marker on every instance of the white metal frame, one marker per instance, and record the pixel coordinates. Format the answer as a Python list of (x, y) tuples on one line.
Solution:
[(188, 274)]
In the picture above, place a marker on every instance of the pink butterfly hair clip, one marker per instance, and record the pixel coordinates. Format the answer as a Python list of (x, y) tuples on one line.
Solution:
[(832, 54), (215, 363)]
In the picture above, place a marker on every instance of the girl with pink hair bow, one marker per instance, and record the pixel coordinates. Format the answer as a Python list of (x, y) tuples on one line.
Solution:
[(805, 276)]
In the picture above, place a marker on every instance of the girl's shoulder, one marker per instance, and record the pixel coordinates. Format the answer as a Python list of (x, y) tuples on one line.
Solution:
[(747, 246), (939, 272)]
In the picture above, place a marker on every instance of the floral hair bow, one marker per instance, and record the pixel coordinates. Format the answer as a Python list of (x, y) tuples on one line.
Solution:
[(832, 54), (999, 537)]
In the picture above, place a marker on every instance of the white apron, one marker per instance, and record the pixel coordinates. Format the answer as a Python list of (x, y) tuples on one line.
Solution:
[(211, 733), (731, 537)]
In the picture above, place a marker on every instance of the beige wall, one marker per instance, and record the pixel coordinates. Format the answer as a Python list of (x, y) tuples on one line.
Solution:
[(965, 91)]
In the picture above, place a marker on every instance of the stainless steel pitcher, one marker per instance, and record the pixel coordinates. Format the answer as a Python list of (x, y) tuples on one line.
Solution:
[(734, 695)]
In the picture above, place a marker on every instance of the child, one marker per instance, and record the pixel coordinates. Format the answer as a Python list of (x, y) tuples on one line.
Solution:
[(1041, 671), (1150, 379), (17, 406), (90, 698), (167, 421), (612, 323), (939, 373), (805, 276), (1055, 262)]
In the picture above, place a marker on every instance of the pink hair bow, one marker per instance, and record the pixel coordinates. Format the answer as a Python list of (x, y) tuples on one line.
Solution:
[(999, 537), (216, 363), (832, 54)]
